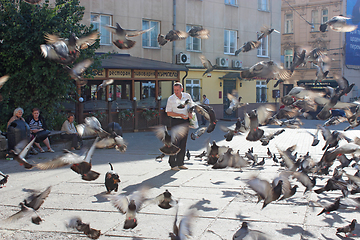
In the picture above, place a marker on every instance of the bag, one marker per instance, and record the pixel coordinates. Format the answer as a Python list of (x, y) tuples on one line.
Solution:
[(193, 121), (41, 136)]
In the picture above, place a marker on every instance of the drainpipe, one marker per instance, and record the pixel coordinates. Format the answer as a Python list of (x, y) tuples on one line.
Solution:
[(174, 27)]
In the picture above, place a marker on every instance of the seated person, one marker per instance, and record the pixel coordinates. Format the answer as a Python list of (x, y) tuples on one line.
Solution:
[(71, 133), (18, 112), (38, 128)]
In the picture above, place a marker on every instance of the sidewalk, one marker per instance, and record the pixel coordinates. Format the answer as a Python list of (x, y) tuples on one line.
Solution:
[(222, 198)]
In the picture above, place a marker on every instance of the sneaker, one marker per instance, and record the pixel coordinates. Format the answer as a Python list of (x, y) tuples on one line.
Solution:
[(41, 150), (182, 167), (175, 169), (50, 150)]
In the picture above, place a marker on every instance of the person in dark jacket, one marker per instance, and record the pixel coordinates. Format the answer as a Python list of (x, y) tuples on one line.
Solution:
[(38, 128)]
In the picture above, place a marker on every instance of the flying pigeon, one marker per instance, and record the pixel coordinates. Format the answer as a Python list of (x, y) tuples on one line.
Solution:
[(338, 24)]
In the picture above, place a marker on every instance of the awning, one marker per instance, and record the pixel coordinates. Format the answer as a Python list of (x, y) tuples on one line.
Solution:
[(125, 61), (320, 85), (231, 76)]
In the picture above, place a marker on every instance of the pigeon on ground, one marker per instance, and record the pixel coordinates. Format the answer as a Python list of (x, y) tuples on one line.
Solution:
[(338, 24), (160, 157), (203, 154), (177, 133), (30, 205), (245, 233), (112, 180), (130, 205), (77, 224), (332, 207), (188, 155), (347, 229), (228, 159)]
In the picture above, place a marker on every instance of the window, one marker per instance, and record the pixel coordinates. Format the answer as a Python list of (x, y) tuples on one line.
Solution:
[(288, 23), (263, 5), (324, 16), (230, 40), (261, 92), (288, 58), (314, 20), (262, 51), (192, 44), (99, 22), (149, 39), (193, 88), (231, 2)]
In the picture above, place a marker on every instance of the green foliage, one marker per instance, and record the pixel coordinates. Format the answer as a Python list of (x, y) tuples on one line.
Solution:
[(100, 115), (34, 80), (150, 114)]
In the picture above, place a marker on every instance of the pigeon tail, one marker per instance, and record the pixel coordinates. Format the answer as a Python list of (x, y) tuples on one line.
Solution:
[(170, 150), (255, 135)]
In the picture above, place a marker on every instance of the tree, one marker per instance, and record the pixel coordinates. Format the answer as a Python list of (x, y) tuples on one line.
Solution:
[(34, 80)]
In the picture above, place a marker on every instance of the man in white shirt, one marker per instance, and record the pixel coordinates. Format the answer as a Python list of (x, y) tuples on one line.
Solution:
[(179, 116), (205, 101)]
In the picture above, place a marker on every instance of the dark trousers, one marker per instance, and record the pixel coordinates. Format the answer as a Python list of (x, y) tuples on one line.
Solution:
[(75, 139), (178, 159), (203, 120)]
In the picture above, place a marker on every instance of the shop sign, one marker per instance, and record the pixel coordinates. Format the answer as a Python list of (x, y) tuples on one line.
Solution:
[(168, 74), (119, 73), (144, 73)]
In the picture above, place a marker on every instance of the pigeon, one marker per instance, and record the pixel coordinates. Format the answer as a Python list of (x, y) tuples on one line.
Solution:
[(160, 157), (84, 168), (77, 224), (269, 153), (338, 24), (265, 139), (348, 228), (298, 59), (198, 133), (172, 35), (245, 233), (214, 151), (304, 180), (322, 69), (248, 46), (230, 133), (20, 152), (31, 204), (207, 64), (328, 104), (105, 83), (265, 31), (332, 207), (234, 102), (199, 32), (112, 180), (188, 154), (79, 69), (121, 36), (129, 206), (91, 127), (315, 138), (256, 117), (275, 159), (111, 141), (183, 231), (165, 200), (68, 158), (332, 185), (4, 180), (228, 159), (203, 154), (264, 190), (177, 133), (3, 80), (352, 118), (334, 120)]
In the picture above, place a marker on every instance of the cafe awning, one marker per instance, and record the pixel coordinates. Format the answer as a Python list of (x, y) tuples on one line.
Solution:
[(125, 61), (231, 76)]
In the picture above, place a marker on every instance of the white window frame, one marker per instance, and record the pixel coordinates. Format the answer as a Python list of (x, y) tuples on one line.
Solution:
[(231, 2), (262, 87), (289, 23), (153, 34), (263, 50), (96, 20), (190, 41), (315, 20), (227, 42), (323, 16), (263, 5), (190, 88), (288, 57)]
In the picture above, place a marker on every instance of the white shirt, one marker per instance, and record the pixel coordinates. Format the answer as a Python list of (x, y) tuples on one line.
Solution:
[(173, 101), (206, 101)]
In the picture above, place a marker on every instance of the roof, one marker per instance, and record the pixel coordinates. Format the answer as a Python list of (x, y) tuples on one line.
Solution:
[(231, 75), (125, 61)]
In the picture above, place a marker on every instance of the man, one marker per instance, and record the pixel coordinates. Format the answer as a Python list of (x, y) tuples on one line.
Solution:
[(71, 133), (205, 101), (179, 116)]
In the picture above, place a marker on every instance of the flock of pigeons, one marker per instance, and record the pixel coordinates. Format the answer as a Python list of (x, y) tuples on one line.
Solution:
[(299, 101)]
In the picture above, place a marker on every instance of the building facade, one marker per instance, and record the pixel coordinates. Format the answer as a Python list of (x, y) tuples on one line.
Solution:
[(301, 20)]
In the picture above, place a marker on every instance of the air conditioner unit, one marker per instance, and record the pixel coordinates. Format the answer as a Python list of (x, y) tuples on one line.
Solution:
[(236, 64), (183, 58), (222, 62)]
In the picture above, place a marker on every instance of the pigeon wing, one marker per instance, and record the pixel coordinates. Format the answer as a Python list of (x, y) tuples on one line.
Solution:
[(121, 203), (179, 131)]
